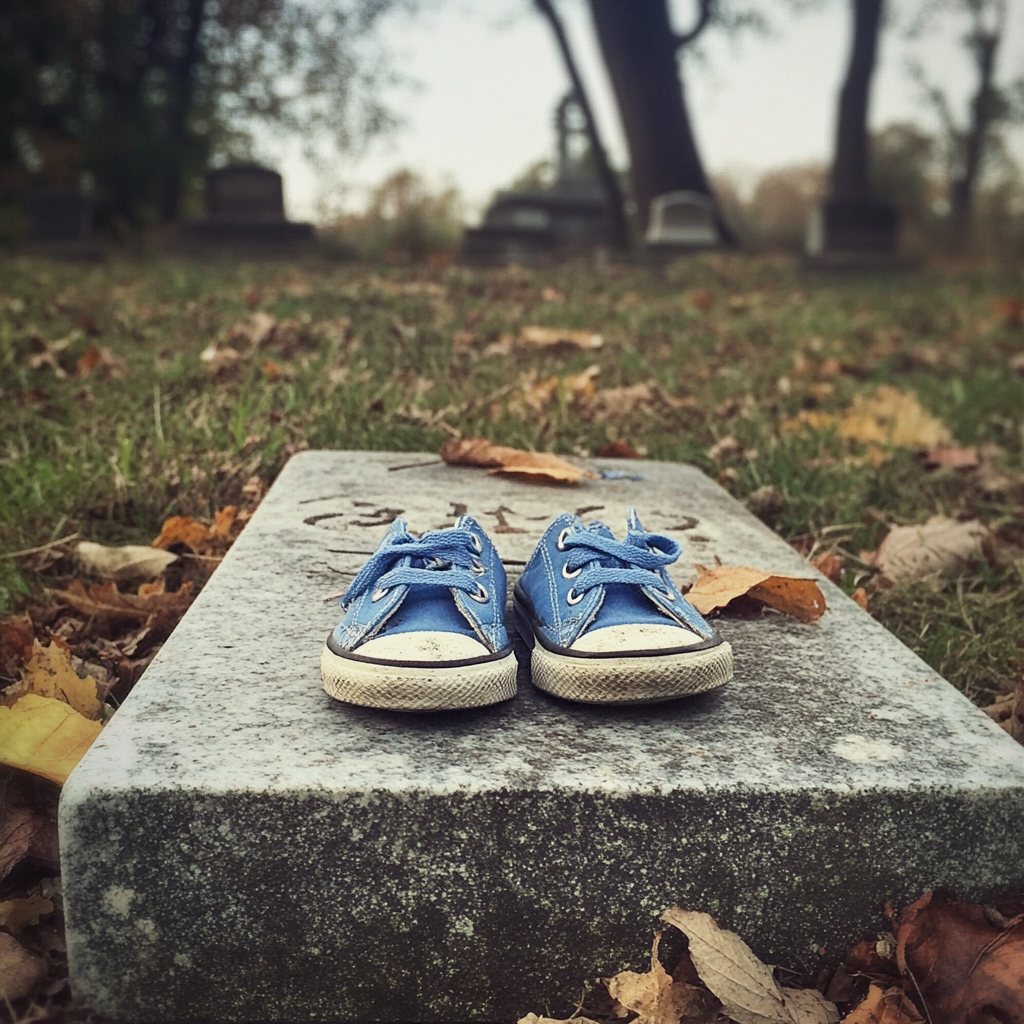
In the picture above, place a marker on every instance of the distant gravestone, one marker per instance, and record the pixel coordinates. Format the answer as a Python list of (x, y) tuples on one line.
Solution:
[(845, 233), (61, 223), (684, 220), (245, 211)]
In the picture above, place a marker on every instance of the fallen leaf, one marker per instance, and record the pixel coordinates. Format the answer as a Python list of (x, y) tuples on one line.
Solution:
[(1016, 364), (276, 371), (890, 417), (20, 970), (1011, 309), (809, 1006), (94, 356), (202, 539), (657, 997), (952, 458), (793, 595), (745, 986), (702, 300), (1008, 711), (44, 736), (532, 1018), (549, 337), (884, 1006), (48, 673), (17, 829), (829, 565), (220, 360), (726, 448), (860, 597), (104, 601), (549, 294), (129, 563), (620, 449), (893, 417), (477, 451), (645, 396), (940, 545), (16, 915), (254, 330), (960, 963), (537, 394), (16, 637)]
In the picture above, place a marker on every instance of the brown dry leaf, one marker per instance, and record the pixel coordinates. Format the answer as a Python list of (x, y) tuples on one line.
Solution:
[(537, 394), (1011, 309), (16, 637), (16, 915), (960, 962), (538, 466), (532, 1018), (219, 360), (44, 736), (611, 402), (254, 330), (745, 986), (829, 565), (952, 458), (20, 970), (276, 371), (940, 545), (620, 449), (202, 539), (48, 673), (129, 563), (793, 595), (1008, 712), (884, 1006), (17, 830), (860, 597), (549, 337), (1016, 364), (657, 997), (104, 601), (94, 356), (725, 448), (809, 1006)]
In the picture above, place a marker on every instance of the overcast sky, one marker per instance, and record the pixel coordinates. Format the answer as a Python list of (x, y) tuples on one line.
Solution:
[(488, 78)]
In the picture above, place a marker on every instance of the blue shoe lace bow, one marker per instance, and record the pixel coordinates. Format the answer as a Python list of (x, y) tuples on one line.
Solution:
[(447, 559), (635, 561)]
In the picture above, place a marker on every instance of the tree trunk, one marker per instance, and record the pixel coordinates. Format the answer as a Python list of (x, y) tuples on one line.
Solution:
[(605, 174), (639, 49), (984, 106), (850, 172)]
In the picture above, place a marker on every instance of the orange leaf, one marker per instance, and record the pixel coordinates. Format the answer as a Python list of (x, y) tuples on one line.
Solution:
[(48, 673), (829, 565), (182, 530), (792, 595), (620, 449)]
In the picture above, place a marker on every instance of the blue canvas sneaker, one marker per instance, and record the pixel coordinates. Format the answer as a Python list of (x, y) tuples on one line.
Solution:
[(606, 625), (424, 625)]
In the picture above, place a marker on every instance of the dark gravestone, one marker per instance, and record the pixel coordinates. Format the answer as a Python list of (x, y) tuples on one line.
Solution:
[(852, 233), (569, 218), (245, 212), (61, 223)]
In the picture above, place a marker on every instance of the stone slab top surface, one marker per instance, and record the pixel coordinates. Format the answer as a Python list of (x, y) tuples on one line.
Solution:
[(233, 701)]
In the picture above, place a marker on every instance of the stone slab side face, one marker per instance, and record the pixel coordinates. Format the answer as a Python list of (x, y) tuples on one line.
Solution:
[(239, 847)]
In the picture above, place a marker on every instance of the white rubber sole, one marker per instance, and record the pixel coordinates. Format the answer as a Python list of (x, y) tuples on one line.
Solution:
[(408, 688), (643, 680)]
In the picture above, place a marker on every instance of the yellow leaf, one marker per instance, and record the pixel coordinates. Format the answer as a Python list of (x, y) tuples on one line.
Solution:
[(792, 595), (20, 970), (44, 736), (48, 673), (893, 417), (16, 915)]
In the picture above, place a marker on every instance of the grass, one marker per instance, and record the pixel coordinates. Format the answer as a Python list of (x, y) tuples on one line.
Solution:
[(399, 358)]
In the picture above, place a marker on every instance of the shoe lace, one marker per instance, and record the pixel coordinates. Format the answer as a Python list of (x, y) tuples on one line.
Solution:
[(634, 562), (443, 559)]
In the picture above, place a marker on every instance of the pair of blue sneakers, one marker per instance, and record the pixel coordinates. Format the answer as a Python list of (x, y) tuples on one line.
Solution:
[(424, 626)]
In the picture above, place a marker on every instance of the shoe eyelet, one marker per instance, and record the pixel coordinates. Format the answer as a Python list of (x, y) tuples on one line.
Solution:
[(560, 543), (573, 598), (478, 544), (477, 567), (378, 594), (570, 575), (480, 595)]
